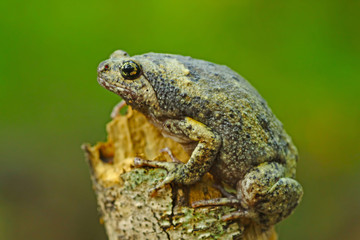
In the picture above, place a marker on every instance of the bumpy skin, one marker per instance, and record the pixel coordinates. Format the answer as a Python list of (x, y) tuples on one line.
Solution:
[(222, 121)]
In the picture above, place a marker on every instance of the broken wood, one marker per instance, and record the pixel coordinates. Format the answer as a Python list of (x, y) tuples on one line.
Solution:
[(126, 208)]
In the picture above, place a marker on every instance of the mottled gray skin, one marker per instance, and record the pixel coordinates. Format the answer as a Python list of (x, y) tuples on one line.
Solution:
[(222, 121)]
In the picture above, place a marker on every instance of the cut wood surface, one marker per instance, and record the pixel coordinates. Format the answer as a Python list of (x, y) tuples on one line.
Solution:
[(127, 209)]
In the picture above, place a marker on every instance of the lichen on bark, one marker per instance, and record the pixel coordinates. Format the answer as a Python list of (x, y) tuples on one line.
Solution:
[(127, 209)]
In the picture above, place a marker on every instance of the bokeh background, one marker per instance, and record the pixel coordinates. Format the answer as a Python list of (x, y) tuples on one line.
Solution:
[(302, 56)]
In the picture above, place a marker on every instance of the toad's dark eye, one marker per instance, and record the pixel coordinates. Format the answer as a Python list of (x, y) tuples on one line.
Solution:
[(130, 70)]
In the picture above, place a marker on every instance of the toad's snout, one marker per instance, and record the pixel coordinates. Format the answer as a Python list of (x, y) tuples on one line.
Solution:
[(103, 66)]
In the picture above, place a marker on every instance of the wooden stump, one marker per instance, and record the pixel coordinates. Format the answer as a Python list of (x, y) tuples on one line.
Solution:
[(129, 212)]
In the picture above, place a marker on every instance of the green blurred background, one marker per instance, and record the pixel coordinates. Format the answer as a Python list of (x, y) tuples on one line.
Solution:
[(302, 56)]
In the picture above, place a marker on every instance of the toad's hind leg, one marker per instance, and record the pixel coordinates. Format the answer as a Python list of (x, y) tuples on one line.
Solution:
[(268, 192), (265, 195)]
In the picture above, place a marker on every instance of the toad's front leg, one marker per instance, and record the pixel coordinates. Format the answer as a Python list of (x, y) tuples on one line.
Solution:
[(201, 158)]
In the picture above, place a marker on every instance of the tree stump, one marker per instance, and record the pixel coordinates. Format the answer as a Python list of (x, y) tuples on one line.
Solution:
[(129, 212)]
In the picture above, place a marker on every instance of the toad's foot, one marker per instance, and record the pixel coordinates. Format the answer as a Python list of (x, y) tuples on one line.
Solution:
[(216, 202), (240, 214), (172, 168)]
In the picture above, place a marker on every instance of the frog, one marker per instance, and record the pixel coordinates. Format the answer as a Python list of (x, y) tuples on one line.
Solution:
[(221, 121)]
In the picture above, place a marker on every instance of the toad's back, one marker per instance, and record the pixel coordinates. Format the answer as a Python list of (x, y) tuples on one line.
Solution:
[(224, 101)]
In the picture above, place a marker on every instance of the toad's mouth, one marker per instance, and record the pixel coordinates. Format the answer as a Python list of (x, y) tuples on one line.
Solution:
[(119, 90)]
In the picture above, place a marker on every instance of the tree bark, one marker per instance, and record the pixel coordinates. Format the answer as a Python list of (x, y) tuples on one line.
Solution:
[(126, 207)]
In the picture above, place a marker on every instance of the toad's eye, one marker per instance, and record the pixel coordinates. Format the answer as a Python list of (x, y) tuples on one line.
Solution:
[(130, 70)]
